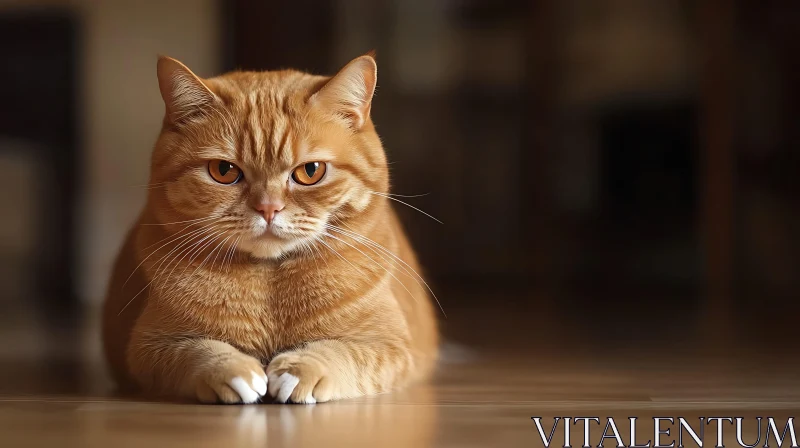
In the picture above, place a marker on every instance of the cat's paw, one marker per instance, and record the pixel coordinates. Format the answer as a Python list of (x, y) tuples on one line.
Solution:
[(298, 378), (235, 379)]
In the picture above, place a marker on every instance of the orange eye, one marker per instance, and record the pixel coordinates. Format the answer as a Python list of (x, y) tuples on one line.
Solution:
[(309, 174), (224, 172)]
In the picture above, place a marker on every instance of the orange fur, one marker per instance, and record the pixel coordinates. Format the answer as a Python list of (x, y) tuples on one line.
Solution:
[(201, 295)]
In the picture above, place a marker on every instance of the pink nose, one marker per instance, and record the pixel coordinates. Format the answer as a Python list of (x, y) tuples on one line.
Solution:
[(269, 209)]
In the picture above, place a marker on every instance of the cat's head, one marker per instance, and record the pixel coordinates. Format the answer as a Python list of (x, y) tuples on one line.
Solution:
[(266, 159)]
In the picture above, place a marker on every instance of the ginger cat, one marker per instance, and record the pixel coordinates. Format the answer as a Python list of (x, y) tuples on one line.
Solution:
[(268, 239)]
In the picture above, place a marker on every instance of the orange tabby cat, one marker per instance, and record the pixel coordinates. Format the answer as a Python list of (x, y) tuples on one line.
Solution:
[(268, 239)]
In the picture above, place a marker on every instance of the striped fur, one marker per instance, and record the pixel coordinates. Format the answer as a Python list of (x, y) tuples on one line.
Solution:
[(202, 307)]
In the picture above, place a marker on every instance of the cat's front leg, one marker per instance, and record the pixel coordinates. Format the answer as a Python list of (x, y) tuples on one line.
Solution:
[(332, 369), (200, 369)]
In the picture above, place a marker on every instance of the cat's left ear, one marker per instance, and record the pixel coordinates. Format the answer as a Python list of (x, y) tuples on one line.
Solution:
[(349, 93), (185, 94)]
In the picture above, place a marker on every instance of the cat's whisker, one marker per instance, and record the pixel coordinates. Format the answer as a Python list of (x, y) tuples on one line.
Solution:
[(306, 250), (160, 262), (384, 195), (340, 256), (179, 249), (224, 261), (357, 236), (372, 246), (217, 249), (381, 252), (319, 251), (316, 252), (406, 195), (313, 253), (229, 252), (209, 240), (375, 262), (233, 253), (180, 222), (173, 238), (134, 297), (186, 250), (367, 241), (177, 233), (198, 253)]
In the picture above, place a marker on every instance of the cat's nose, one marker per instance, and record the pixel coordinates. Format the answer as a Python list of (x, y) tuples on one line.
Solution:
[(269, 209)]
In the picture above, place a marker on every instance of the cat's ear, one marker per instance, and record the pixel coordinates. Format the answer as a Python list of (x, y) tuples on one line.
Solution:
[(349, 93), (185, 94)]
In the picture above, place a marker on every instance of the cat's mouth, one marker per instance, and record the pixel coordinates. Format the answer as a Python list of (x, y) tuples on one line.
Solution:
[(265, 245), (280, 236), (275, 233), (270, 233)]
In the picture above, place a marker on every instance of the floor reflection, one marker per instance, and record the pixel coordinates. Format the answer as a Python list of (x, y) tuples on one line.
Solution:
[(504, 371)]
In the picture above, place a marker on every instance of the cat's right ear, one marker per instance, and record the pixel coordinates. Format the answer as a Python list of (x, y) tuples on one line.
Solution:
[(349, 94), (185, 95)]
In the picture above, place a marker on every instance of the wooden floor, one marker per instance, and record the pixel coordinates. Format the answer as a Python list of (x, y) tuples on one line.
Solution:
[(506, 367)]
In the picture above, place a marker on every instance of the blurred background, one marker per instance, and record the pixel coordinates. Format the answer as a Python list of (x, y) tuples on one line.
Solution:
[(622, 169)]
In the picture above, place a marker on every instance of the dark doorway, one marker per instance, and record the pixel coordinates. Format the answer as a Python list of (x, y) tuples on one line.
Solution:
[(38, 141)]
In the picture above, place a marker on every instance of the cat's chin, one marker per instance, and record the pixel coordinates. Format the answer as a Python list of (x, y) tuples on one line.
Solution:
[(268, 248)]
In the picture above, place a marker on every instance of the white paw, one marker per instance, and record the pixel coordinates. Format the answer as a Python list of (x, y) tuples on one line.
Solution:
[(252, 391), (238, 381), (282, 386)]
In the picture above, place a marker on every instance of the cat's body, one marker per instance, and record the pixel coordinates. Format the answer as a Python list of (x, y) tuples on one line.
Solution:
[(216, 281)]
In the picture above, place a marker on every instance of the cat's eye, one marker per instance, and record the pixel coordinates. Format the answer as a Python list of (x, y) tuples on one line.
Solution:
[(224, 172), (309, 173)]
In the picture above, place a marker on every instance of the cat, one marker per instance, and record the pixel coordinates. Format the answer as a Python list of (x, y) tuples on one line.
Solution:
[(268, 262)]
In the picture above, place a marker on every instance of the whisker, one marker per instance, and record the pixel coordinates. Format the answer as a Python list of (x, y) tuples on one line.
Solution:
[(179, 222), (305, 250), (319, 252), (209, 240), (406, 195), (227, 253), (340, 256), (188, 248), (375, 262), (175, 234), (313, 253), (233, 253), (173, 238), (199, 252), (134, 298), (367, 242), (406, 204), (185, 244), (216, 249), (155, 275)]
